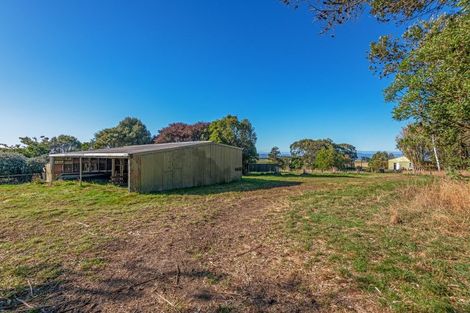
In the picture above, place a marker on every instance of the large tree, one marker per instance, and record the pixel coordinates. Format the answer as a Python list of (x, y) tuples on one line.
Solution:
[(129, 131), (328, 158), (379, 161), (239, 133), (415, 144), (275, 156), (307, 149), (178, 132), (64, 143)]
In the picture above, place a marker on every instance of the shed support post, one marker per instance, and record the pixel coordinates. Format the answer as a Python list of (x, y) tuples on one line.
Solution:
[(81, 171), (129, 174), (51, 171)]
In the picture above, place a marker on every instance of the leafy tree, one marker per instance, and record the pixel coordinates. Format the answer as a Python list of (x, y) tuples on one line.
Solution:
[(431, 81), (335, 12), (307, 149), (32, 146), (348, 154), (428, 66), (179, 132), (63, 144), (295, 163), (379, 161), (129, 131), (275, 156), (328, 158), (231, 131), (415, 144)]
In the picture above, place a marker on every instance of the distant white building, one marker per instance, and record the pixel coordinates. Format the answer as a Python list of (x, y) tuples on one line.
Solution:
[(401, 163)]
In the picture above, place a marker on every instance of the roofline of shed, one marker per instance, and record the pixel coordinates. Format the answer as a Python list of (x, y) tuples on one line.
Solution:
[(89, 155), (126, 155)]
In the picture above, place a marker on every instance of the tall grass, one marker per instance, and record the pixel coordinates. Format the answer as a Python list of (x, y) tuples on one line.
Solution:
[(443, 206)]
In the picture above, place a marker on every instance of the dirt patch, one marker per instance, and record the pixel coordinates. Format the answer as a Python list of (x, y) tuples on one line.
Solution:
[(223, 254)]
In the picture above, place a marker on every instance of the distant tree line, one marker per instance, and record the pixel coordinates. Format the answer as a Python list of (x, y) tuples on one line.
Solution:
[(321, 154), (130, 131)]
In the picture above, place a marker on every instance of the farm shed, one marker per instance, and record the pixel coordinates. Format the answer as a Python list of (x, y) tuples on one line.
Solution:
[(152, 167), (401, 163)]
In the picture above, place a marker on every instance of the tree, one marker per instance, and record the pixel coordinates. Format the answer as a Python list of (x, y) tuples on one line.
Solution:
[(63, 144), (415, 144), (129, 131), (307, 149), (348, 153), (275, 156), (336, 12), (328, 158), (32, 146), (427, 66), (379, 161), (179, 132), (231, 131)]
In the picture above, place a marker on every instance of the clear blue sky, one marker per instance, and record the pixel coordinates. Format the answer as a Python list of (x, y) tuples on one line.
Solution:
[(78, 66)]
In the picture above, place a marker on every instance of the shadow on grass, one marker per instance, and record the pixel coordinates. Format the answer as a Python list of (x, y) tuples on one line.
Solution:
[(248, 183)]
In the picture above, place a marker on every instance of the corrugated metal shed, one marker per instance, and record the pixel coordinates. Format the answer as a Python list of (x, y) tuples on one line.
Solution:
[(155, 167)]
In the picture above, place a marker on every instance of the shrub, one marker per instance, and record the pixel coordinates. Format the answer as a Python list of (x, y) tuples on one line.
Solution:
[(36, 165), (12, 163)]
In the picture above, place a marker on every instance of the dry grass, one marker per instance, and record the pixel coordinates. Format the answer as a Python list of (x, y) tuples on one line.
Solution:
[(444, 206)]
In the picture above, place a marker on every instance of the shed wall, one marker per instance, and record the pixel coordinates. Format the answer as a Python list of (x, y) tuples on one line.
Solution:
[(185, 167)]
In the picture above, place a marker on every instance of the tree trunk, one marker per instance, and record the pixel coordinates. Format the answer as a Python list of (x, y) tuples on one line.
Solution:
[(435, 153)]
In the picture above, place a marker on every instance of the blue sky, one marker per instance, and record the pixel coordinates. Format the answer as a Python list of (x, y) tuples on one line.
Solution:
[(75, 67)]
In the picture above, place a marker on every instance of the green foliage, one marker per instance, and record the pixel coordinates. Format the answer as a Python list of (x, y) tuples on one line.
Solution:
[(416, 145), (335, 12), (63, 144), (379, 161), (129, 131), (12, 163), (307, 150), (231, 131), (37, 164), (275, 156), (430, 71), (328, 158)]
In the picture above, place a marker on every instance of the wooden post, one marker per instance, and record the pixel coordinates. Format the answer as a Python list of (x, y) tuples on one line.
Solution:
[(129, 174), (51, 170), (80, 171)]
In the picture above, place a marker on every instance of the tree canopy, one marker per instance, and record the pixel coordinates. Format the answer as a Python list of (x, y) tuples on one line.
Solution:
[(379, 161), (275, 156), (239, 133), (306, 151), (129, 131), (178, 132)]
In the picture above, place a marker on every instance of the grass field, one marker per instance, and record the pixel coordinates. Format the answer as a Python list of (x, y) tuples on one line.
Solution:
[(332, 242)]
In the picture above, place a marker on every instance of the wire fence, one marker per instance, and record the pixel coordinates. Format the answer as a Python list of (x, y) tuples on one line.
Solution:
[(21, 178)]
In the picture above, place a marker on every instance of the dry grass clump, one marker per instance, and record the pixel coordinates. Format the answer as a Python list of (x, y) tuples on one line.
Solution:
[(443, 205)]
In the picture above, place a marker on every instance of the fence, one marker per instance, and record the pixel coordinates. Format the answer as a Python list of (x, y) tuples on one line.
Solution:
[(20, 178)]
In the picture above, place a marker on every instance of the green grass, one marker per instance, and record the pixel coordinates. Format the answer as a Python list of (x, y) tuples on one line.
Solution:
[(409, 269), (46, 231)]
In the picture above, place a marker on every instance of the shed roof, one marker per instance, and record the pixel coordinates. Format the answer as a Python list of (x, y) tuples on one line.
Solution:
[(400, 159), (132, 150)]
